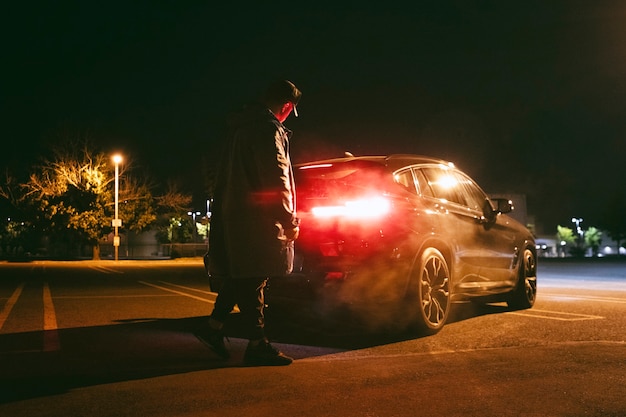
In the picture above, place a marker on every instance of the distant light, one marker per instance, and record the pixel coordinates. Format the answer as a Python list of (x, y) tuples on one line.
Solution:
[(446, 165), (446, 181), (117, 158)]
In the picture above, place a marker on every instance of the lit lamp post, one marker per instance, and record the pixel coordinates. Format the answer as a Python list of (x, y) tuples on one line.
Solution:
[(578, 221), (117, 222), (579, 231)]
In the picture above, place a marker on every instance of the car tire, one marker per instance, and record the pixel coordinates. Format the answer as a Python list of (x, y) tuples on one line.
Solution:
[(430, 297), (525, 292)]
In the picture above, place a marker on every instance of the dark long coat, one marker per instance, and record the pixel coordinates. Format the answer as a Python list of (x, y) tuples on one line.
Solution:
[(254, 199)]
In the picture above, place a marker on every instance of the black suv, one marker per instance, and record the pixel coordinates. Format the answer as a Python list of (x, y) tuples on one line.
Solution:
[(410, 231)]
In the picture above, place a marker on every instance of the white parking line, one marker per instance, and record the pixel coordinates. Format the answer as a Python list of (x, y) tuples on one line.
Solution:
[(51, 334), (4, 314), (189, 288), (106, 270), (586, 297), (178, 292), (555, 315)]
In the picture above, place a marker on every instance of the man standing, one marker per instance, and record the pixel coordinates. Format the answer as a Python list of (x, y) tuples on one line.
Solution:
[(253, 223)]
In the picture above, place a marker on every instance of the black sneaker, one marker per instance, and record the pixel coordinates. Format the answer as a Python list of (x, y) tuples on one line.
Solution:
[(265, 354), (214, 339)]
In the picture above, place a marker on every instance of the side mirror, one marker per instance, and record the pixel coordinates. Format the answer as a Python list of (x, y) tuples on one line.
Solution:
[(491, 208)]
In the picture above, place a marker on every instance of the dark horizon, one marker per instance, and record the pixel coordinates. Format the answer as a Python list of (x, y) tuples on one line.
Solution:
[(526, 98)]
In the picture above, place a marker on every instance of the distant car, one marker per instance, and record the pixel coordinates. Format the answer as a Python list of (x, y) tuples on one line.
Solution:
[(413, 231)]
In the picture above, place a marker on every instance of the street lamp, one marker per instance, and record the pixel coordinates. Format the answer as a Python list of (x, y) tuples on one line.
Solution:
[(117, 222), (578, 221)]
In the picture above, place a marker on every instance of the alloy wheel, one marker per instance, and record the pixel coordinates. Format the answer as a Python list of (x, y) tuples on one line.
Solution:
[(434, 290)]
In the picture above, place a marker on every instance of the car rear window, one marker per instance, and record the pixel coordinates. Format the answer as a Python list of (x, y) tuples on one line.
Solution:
[(331, 181)]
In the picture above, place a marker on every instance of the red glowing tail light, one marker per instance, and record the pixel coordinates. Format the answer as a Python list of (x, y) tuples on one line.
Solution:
[(357, 209)]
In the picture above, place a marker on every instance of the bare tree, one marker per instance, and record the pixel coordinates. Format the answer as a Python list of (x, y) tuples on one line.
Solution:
[(73, 197)]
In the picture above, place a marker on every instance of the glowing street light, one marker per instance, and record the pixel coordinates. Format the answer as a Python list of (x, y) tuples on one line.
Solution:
[(578, 221), (117, 222)]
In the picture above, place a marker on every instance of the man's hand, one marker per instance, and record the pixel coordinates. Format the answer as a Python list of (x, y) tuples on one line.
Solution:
[(293, 233)]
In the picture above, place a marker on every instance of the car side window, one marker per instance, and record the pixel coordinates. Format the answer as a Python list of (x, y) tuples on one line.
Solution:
[(445, 184), (405, 178), (422, 183), (474, 197)]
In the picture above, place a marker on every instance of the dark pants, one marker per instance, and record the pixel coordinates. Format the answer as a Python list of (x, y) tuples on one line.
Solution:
[(249, 295)]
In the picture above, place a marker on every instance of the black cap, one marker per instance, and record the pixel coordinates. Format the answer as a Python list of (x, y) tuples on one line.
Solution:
[(284, 90)]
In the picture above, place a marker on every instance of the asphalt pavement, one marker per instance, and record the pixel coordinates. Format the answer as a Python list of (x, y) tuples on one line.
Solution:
[(123, 345)]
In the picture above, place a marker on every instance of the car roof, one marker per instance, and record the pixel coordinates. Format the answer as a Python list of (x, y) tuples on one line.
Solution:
[(393, 161)]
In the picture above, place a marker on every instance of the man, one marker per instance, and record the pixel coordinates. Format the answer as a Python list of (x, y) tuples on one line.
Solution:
[(253, 222)]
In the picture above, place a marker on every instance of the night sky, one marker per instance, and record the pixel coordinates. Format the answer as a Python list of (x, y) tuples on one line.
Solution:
[(525, 96)]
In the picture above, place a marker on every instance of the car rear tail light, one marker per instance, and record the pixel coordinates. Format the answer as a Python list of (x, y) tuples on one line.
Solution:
[(365, 208), (332, 276)]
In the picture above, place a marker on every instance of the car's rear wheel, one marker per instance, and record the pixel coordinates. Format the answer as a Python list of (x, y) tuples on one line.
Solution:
[(525, 293), (431, 283)]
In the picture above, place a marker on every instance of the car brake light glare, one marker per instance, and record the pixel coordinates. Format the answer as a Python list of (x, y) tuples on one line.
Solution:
[(316, 166), (365, 208), (334, 275)]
